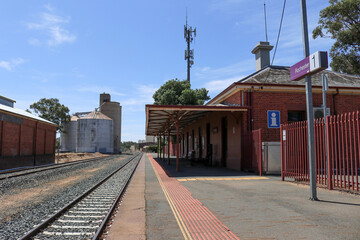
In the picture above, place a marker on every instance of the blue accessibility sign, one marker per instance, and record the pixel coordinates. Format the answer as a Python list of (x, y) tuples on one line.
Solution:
[(273, 119)]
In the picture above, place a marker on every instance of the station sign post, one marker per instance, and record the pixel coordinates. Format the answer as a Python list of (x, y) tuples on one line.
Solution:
[(310, 65), (305, 69)]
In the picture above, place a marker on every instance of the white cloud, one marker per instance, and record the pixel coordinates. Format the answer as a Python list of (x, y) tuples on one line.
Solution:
[(217, 79), (53, 26), (215, 86), (45, 77), (227, 6), (100, 89), (229, 71), (144, 96), (10, 65)]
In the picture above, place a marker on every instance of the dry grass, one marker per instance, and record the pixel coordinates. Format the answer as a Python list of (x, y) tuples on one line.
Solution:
[(70, 157)]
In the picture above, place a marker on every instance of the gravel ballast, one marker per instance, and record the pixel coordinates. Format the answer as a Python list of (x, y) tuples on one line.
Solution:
[(33, 210)]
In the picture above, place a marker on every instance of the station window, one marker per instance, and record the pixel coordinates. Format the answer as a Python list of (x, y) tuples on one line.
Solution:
[(295, 116)]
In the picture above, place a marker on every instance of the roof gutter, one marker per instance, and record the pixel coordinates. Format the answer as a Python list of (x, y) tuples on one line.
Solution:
[(29, 118)]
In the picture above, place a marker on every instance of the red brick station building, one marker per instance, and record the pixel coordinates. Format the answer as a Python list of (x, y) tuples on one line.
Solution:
[(25, 139), (216, 132)]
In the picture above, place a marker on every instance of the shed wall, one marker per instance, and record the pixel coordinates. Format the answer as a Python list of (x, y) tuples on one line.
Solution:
[(25, 142)]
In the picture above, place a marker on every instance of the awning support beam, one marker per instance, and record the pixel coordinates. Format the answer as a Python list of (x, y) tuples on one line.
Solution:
[(168, 160), (177, 125)]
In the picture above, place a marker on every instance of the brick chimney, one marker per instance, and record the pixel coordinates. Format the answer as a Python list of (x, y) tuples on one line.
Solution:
[(262, 55)]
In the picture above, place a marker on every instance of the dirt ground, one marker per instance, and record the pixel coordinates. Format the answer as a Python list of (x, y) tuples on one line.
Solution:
[(12, 203), (70, 157)]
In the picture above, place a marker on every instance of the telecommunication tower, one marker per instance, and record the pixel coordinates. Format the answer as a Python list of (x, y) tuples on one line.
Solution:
[(189, 54)]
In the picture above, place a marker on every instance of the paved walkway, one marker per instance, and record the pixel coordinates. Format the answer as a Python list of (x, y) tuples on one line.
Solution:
[(216, 203)]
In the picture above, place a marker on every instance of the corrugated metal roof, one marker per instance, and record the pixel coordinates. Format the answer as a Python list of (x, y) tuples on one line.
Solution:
[(8, 99), (96, 115), (74, 118), (281, 75), (23, 113), (161, 118)]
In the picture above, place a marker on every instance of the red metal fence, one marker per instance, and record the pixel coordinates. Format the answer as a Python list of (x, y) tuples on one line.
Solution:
[(336, 159), (252, 151)]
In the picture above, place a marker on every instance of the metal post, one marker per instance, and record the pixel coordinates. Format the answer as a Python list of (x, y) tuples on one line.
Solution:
[(329, 167), (324, 89), (159, 155), (158, 150), (188, 59), (282, 152), (177, 144), (168, 158), (163, 147), (309, 106)]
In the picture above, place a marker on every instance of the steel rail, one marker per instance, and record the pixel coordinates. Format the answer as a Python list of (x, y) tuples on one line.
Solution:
[(108, 215), (46, 222), (48, 167)]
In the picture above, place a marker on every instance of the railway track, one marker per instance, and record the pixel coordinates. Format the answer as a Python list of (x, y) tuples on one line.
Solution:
[(86, 216), (6, 174)]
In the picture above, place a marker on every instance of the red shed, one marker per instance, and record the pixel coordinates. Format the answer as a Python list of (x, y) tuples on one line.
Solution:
[(25, 139)]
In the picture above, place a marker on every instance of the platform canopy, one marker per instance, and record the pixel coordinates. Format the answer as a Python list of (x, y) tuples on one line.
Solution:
[(163, 118)]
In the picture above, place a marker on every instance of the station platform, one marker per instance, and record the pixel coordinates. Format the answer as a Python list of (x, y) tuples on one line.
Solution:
[(201, 202)]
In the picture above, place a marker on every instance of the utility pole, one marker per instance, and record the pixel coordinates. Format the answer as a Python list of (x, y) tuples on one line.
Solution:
[(309, 106), (189, 54)]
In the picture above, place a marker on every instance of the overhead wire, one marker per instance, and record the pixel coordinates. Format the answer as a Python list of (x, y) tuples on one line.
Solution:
[(277, 40)]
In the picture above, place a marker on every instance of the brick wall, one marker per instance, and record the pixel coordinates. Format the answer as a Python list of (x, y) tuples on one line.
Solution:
[(19, 140), (263, 101), (234, 130)]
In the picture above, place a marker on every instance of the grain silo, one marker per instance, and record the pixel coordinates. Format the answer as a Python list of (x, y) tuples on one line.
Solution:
[(95, 133), (113, 111), (68, 136)]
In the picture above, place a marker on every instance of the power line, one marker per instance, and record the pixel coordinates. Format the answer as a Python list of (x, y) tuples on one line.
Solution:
[(277, 40)]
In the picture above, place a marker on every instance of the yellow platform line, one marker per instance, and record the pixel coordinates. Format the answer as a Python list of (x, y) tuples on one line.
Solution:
[(220, 179), (178, 217)]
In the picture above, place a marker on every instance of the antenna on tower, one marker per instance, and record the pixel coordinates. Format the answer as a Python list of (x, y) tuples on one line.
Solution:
[(265, 21), (189, 54)]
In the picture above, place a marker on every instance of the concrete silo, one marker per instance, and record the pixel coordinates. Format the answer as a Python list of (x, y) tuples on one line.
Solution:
[(113, 111), (95, 133), (68, 136)]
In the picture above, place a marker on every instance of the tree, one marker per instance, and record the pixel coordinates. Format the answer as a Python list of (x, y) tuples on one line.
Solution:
[(52, 110), (341, 21), (176, 92), (125, 146)]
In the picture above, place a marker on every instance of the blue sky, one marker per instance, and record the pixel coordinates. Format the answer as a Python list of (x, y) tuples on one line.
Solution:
[(75, 50)]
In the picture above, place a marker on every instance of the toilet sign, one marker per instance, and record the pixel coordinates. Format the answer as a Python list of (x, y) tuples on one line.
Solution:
[(273, 119)]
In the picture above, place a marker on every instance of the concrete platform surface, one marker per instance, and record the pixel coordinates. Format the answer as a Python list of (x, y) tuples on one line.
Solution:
[(205, 203), (129, 222)]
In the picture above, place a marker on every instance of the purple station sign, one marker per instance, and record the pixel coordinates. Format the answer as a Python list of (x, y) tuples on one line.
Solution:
[(314, 63)]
